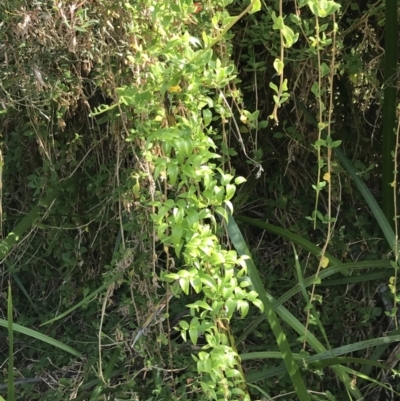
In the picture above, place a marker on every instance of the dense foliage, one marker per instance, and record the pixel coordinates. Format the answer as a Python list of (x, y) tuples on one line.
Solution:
[(199, 200)]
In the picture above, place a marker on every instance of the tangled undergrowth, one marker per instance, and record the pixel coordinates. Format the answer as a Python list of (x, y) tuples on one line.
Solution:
[(126, 130)]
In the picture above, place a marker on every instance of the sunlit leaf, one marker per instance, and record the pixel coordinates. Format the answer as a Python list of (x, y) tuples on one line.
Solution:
[(324, 262), (256, 6), (184, 283)]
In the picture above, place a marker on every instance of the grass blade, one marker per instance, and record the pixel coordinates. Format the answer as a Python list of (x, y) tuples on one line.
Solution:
[(241, 248), (41, 337), (288, 235), (107, 375), (22, 288), (309, 304), (292, 368), (322, 356), (374, 276), (11, 388), (378, 264), (85, 300), (346, 360), (355, 373)]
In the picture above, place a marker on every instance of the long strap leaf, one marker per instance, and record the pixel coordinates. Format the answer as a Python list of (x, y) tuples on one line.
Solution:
[(322, 356), (288, 235), (11, 388), (42, 337), (241, 248), (7, 244), (283, 344), (376, 264)]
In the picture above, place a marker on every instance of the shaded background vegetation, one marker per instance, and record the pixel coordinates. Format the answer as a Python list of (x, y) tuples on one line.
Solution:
[(61, 63)]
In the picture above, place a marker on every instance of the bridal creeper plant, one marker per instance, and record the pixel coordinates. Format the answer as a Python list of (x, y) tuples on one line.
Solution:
[(182, 69), (323, 42)]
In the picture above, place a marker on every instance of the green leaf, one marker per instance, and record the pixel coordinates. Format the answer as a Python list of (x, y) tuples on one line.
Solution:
[(203, 304), (262, 124), (222, 212), (324, 69), (273, 87), (211, 340), (256, 6), (170, 277), (240, 180), (252, 295), (205, 56), (184, 283), (176, 234), (208, 280), (278, 21), (335, 144), (278, 65), (230, 191), (207, 117), (243, 306), (183, 146), (181, 273), (315, 90), (238, 391), (285, 88), (231, 305), (196, 284), (233, 373), (289, 36), (258, 303), (183, 334), (184, 324), (216, 307), (332, 7), (217, 258), (193, 335)]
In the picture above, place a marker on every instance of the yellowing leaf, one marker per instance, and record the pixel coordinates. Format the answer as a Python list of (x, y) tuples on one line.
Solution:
[(174, 89), (324, 262), (327, 177), (256, 6), (354, 78), (278, 65), (136, 189)]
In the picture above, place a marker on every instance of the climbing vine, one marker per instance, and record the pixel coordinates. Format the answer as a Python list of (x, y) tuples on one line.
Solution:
[(184, 68)]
